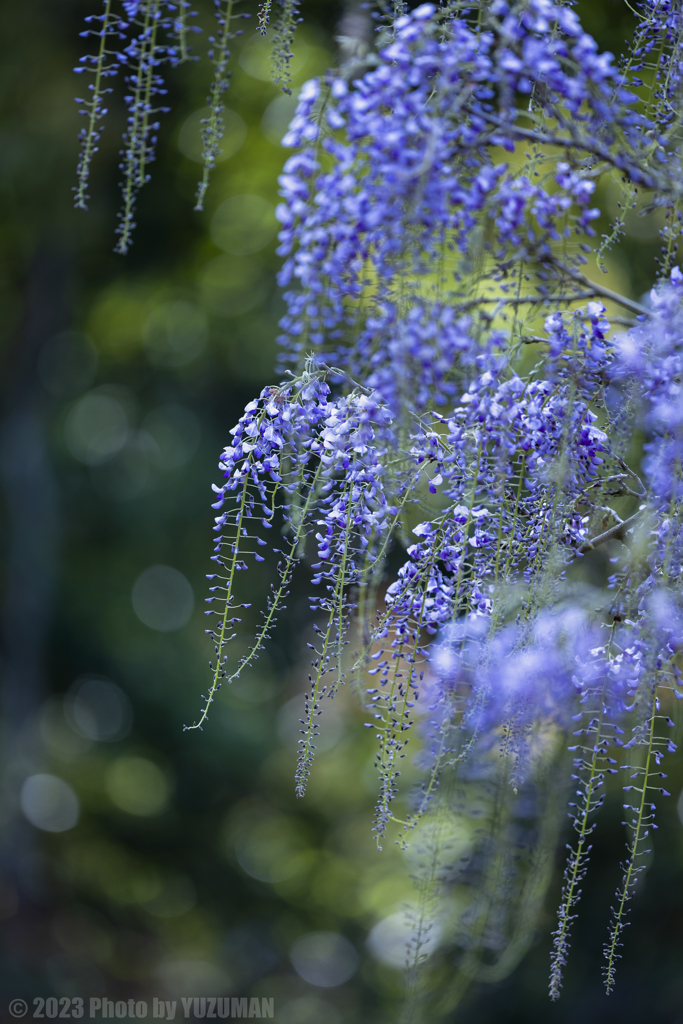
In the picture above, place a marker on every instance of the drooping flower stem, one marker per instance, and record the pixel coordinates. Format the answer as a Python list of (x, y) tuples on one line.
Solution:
[(577, 862), (181, 29), (640, 827), (222, 639), (320, 665), (285, 572), (147, 97), (264, 16), (429, 883), (212, 126), (95, 107), (134, 153), (283, 39)]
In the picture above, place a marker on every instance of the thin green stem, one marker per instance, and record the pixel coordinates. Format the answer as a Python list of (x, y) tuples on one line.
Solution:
[(95, 104), (213, 129), (631, 867)]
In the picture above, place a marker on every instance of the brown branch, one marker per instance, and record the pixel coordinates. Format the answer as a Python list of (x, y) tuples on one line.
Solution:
[(599, 289), (526, 300), (615, 532), (637, 174)]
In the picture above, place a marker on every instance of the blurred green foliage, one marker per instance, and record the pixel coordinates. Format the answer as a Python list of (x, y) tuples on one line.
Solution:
[(138, 860)]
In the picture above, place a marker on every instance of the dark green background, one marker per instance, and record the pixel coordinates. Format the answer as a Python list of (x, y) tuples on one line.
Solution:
[(77, 915)]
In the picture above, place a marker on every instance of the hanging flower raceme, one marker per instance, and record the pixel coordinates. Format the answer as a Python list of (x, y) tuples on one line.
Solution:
[(155, 33), (270, 459), (144, 56), (143, 39), (354, 512), (105, 64), (316, 462)]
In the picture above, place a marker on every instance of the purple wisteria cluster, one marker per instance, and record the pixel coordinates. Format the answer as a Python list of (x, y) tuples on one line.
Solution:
[(472, 432), (318, 461), (414, 195)]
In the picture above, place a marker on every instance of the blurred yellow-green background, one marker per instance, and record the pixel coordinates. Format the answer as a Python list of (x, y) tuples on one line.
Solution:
[(137, 860)]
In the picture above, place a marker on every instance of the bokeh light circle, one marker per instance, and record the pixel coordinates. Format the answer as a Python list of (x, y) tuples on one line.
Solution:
[(138, 786), (98, 710), (163, 599), (96, 428), (325, 959), (243, 225), (49, 803)]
